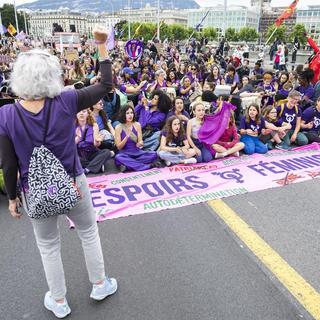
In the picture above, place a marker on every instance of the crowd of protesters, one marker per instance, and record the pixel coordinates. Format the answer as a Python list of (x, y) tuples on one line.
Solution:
[(160, 107), (162, 101)]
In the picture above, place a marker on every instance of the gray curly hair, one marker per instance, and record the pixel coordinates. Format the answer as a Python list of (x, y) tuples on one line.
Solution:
[(36, 74)]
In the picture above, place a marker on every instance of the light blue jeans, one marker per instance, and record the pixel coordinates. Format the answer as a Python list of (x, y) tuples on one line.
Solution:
[(152, 143), (47, 235), (173, 157)]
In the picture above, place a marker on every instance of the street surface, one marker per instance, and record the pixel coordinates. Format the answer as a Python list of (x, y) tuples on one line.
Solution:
[(176, 264)]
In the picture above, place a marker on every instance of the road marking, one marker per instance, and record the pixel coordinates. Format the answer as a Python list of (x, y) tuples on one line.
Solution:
[(291, 279)]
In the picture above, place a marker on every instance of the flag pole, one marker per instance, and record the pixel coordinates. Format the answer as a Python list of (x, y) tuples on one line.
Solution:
[(272, 34), (15, 14)]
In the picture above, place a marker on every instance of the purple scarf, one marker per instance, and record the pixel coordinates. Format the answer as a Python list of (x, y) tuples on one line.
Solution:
[(215, 124)]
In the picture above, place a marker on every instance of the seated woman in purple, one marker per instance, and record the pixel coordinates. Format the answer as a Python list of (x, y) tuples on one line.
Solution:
[(194, 74), (172, 80), (186, 90), (215, 76), (305, 88), (268, 89), (106, 129), (251, 126), (159, 81), (88, 139), (151, 116), (178, 110), (231, 78), (282, 79), (128, 139)]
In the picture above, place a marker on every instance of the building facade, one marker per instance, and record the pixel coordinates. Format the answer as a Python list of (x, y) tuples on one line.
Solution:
[(270, 15), (150, 14), (235, 17), (41, 22), (310, 17)]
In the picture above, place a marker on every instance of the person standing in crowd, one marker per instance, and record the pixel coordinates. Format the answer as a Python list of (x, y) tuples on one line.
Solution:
[(295, 48), (46, 115)]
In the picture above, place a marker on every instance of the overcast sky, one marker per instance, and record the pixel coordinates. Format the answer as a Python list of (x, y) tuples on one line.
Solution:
[(302, 3)]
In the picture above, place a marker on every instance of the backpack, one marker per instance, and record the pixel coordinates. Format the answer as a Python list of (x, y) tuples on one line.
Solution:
[(282, 108), (123, 98), (51, 190)]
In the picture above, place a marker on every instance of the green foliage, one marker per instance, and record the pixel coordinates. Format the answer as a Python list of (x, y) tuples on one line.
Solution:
[(248, 34), (231, 34), (7, 15), (210, 33), (280, 33), (299, 31)]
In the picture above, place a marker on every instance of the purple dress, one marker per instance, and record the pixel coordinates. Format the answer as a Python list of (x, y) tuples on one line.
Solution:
[(132, 157)]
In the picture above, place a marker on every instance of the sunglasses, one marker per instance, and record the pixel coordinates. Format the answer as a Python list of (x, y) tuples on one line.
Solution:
[(193, 69)]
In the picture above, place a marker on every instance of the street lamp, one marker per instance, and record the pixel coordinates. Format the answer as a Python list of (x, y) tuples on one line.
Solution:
[(15, 14)]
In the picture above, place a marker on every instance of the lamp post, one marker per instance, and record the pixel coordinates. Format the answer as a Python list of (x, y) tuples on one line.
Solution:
[(158, 21), (129, 25), (15, 15)]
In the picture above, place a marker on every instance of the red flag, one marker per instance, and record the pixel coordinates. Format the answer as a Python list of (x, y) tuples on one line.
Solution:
[(286, 13)]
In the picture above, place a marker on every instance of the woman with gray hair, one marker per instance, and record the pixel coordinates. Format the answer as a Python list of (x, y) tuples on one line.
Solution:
[(45, 116)]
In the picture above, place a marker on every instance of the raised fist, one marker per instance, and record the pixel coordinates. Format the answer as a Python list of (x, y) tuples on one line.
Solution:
[(100, 34)]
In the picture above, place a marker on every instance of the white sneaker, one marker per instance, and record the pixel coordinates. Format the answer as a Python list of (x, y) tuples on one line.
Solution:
[(220, 155), (107, 288), (190, 161), (60, 310)]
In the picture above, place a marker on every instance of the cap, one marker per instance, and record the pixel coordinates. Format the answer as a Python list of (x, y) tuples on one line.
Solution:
[(127, 70)]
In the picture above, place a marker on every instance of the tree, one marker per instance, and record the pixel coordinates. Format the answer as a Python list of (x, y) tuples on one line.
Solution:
[(248, 34), (231, 34), (279, 33), (299, 31), (210, 33), (7, 15), (179, 32)]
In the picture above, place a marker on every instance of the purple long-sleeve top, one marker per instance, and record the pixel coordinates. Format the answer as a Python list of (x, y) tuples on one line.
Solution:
[(153, 118)]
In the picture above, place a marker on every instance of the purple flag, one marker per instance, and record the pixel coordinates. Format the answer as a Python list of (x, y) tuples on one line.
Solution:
[(215, 124), (110, 41), (21, 36), (3, 29)]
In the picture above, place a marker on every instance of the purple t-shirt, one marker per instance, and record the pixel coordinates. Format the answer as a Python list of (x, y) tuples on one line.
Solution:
[(252, 124), (60, 137), (289, 115), (312, 114)]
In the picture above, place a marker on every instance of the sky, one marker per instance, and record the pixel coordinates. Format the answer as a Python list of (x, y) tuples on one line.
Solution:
[(302, 3)]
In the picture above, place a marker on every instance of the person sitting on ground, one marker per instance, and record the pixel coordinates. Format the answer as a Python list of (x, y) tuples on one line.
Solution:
[(174, 145), (151, 116), (305, 88), (128, 139), (229, 143), (88, 139), (178, 110), (290, 112), (203, 153), (310, 123), (106, 129), (251, 126), (278, 129)]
